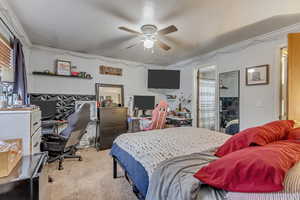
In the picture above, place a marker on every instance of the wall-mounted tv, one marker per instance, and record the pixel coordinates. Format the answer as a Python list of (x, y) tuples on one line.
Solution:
[(164, 79)]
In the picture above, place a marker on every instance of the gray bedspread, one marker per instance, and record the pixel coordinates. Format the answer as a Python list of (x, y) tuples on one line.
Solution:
[(173, 180)]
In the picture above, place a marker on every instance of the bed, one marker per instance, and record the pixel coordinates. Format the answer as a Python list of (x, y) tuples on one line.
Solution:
[(140, 153)]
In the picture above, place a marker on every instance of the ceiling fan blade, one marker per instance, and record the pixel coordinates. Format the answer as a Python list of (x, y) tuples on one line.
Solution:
[(133, 45), (129, 30), (168, 30), (163, 45)]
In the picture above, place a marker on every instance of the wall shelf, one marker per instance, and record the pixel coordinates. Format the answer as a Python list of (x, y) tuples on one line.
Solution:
[(57, 75)]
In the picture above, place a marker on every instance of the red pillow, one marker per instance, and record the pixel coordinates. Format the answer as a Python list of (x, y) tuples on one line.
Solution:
[(260, 135), (294, 134), (253, 169)]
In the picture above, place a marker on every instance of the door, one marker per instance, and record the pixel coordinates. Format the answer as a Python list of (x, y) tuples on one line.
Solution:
[(206, 114), (293, 76)]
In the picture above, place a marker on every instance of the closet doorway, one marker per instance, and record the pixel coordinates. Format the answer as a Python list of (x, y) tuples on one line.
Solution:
[(206, 98)]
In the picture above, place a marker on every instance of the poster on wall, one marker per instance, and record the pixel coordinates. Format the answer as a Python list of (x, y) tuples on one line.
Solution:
[(258, 75), (63, 67), (107, 70)]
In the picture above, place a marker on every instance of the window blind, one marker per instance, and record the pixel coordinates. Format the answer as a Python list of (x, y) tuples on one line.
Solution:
[(5, 53)]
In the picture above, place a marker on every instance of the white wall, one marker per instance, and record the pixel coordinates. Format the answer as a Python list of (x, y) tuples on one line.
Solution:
[(134, 76), (258, 104)]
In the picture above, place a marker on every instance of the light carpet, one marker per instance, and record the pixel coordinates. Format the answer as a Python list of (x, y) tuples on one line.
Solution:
[(90, 179)]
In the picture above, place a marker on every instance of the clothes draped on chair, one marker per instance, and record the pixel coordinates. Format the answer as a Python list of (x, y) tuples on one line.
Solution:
[(158, 121)]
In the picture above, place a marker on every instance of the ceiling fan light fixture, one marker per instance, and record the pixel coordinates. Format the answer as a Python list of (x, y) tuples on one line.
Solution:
[(148, 43)]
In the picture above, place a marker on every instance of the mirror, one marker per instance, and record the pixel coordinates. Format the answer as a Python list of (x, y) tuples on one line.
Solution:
[(110, 95), (229, 98)]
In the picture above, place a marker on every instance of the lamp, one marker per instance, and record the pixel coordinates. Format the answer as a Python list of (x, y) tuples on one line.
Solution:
[(148, 43)]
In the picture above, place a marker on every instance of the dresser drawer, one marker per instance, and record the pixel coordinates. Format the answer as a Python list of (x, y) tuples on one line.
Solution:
[(35, 121), (36, 140)]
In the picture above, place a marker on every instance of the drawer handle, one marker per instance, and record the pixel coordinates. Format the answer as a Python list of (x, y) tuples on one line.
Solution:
[(36, 123), (36, 144)]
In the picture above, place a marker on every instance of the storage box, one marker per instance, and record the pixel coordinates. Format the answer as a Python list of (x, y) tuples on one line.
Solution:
[(10, 155)]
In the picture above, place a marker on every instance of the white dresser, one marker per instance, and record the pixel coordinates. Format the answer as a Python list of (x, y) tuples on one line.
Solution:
[(22, 124)]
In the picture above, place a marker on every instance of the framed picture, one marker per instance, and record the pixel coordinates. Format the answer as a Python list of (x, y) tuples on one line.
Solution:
[(258, 75), (63, 67)]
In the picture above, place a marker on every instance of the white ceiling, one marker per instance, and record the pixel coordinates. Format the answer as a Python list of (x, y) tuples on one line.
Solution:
[(90, 26)]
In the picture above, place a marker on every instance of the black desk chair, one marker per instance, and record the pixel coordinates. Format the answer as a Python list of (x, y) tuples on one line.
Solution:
[(64, 145)]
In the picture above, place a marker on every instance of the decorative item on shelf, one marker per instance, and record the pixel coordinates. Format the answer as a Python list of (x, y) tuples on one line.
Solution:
[(107, 70), (63, 67), (171, 97), (46, 71), (258, 75), (88, 76), (82, 74), (74, 71)]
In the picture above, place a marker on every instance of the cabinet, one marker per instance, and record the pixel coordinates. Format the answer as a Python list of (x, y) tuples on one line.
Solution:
[(24, 124), (113, 122)]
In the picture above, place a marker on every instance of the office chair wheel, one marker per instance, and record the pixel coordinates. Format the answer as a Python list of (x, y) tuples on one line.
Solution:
[(50, 179), (60, 166), (80, 159)]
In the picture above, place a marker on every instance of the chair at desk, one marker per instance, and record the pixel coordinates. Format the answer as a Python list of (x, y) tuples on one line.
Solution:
[(64, 145), (158, 120)]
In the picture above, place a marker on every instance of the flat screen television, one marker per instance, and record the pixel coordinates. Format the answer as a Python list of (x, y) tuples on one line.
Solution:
[(164, 79), (144, 102)]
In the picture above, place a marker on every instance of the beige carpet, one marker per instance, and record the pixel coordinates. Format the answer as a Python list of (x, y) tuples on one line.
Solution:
[(90, 179)]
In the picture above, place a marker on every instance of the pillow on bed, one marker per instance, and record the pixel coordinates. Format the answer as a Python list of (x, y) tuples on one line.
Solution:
[(253, 169), (294, 134), (260, 135)]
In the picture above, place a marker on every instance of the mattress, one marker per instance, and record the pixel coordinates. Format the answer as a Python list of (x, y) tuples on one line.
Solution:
[(140, 153), (134, 169)]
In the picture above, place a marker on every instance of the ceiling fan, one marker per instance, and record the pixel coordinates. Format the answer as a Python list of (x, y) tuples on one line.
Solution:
[(150, 36)]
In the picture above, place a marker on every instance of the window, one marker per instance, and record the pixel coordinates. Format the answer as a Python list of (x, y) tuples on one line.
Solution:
[(5, 53)]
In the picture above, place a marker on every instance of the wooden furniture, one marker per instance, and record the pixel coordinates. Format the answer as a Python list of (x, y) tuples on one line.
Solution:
[(113, 122), (10, 156), (293, 76), (28, 180), (23, 124)]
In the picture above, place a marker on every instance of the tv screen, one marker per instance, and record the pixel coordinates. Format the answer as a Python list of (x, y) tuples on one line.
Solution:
[(144, 102), (164, 79)]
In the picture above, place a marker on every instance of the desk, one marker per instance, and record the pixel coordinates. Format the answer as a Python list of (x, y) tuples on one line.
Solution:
[(53, 126), (174, 121), (29, 180), (179, 121)]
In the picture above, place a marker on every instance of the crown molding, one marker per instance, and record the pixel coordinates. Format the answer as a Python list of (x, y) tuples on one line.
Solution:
[(93, 57), (279, 34), (13, 22)]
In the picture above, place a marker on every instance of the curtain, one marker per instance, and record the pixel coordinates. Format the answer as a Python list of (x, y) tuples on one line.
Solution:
[(20, 82), (207, 104)]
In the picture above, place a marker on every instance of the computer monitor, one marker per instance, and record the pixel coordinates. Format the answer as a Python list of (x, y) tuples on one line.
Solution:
[(144, 102), (48, 108)]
